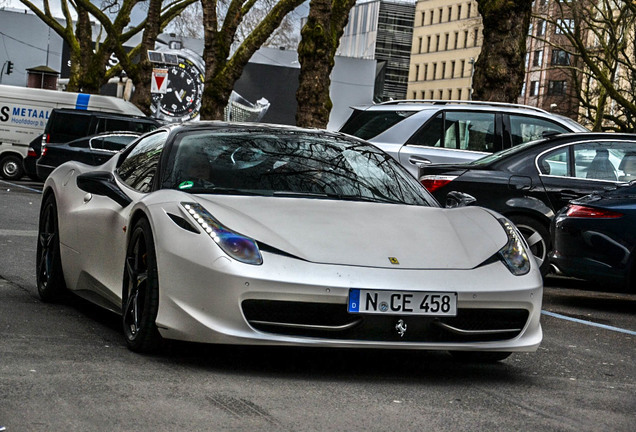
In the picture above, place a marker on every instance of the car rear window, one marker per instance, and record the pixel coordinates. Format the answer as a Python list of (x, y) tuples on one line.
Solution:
[(65, 127), (368, 124)]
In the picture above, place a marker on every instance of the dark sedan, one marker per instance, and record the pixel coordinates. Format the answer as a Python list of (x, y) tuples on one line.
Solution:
[(91, 150), (530, 183), (595, 236)]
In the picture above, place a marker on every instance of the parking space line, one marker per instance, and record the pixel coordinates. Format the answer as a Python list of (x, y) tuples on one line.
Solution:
[(20, 186), (590, 323)]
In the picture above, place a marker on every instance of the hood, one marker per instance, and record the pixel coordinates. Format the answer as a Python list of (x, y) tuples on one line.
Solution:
[(362, 233)]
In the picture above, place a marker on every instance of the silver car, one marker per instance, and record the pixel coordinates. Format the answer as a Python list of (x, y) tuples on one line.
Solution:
[(436, 131)]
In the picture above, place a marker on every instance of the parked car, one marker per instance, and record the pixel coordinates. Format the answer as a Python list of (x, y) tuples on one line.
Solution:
[(594, 238), (91, 150), (24, 113), (530, 183), (433, 131), (257, 234), (66, 125)]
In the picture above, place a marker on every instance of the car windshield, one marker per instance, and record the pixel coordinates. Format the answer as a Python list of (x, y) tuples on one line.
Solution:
[(288, 164)]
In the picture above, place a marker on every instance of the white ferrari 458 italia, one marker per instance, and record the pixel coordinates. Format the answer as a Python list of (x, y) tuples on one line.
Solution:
[(260, 234)]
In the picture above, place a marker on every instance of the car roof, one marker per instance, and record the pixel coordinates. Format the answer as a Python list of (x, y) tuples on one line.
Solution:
[(434, 104)]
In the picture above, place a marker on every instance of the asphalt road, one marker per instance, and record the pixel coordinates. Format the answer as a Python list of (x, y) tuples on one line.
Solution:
[(66, 367)]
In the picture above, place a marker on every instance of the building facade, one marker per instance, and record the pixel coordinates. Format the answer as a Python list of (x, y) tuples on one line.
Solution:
[(447, 39), (382, 30), (551, 81)]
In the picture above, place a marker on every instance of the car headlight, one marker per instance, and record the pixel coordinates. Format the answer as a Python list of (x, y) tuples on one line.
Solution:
[(514, 254), (237, 246)]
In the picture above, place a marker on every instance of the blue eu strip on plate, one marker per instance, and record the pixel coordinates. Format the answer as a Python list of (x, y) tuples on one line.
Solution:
[(354, 300)]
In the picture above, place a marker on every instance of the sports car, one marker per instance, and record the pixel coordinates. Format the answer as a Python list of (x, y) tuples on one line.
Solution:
[(274, 235)]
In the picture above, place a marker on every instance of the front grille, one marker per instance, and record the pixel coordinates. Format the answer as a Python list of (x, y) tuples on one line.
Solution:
[(332, 321)]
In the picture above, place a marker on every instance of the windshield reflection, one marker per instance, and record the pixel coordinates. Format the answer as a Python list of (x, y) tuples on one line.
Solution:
[(288, 164)]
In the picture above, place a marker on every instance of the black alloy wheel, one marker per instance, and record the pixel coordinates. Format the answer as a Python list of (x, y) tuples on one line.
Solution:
[(49, 275), (140, 299), (538, 239)]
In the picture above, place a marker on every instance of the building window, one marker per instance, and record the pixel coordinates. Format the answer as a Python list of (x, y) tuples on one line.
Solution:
[(430, 94), (537, 59), (463, 68), (452, 74), (459, 94), (423, 18), (414, 95), (423, 93), (430, 18), (425, 72), (446, 37), (523, 89), (456, 39), (466, 39), (468, 11), (434, 71), (441, 11), (564, 26), (443, 70), (419, 46), (417, 72), (459, 12), (560, 57), (450, 94), (557, 88), (441, 94), (476, 36), (436, 43), (428, 44), (534, 88), (450, 11), (540, 27)]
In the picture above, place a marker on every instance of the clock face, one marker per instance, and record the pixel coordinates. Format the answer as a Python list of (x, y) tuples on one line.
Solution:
[(182, 100)]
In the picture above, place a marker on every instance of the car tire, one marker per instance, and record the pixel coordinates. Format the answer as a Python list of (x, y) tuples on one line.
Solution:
[(479, 356), (49, 273), (538, 238), (11, 167), (140, 295)]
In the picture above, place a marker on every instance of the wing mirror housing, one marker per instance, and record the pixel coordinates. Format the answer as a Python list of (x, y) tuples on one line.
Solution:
[(103, 183), (459, 199)]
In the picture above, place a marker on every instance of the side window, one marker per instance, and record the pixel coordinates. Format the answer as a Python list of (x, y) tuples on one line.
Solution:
[(601, 160), (138, 168), (470, 131), (112, 143), (431, 134), (555, 163), (68, 126), (526, 128)]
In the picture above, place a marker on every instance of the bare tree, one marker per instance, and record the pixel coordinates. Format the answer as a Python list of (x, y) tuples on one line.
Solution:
[(89, 55), (499, 70), (223, 64), (600, 35), (320, 38)]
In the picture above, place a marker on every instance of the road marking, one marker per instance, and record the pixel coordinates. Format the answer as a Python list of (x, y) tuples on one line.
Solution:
[(590, 323), (18, 233), (21, 186)]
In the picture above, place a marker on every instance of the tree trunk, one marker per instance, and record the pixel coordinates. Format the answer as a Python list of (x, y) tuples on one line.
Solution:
[(499, 71), (316, 51)]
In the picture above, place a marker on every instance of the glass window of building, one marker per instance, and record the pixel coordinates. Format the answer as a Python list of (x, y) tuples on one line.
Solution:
[(560, 57), (557, 88)]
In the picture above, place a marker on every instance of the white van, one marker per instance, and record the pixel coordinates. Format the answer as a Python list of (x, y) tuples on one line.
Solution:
[(25, 111)]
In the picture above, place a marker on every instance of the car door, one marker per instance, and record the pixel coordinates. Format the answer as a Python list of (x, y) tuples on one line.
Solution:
[(453, 136), (101, 223), (582, 167)]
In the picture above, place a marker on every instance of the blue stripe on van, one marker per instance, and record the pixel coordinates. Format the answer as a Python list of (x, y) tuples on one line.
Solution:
[(82, 101)]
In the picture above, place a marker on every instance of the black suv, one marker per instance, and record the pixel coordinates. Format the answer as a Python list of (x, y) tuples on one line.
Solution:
[(65, 125)]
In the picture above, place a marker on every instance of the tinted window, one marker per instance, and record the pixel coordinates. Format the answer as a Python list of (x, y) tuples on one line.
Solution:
[(288, 164), (65, 126), (138, 169), (368, 124), (525, 128), (460, 130), (106, 124)]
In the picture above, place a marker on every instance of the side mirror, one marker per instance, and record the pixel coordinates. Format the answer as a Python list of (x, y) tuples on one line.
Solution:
[(102, 183), (459, 199)]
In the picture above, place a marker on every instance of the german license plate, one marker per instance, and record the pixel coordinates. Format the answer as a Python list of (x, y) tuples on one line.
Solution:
[(402, 302)]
